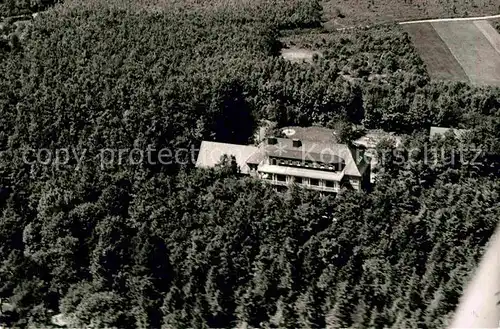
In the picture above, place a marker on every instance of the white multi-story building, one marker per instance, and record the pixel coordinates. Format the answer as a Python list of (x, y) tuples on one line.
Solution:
[(321, 166)]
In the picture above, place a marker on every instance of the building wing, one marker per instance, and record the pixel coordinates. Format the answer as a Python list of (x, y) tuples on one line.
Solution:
[(211, 153)]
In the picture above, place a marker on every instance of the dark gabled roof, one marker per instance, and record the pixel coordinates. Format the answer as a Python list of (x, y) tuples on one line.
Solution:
[(311, 133), (303, 155), (308, 151)]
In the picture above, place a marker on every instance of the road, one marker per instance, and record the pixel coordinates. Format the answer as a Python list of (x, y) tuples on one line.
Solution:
[(435, 20), (450, 19)]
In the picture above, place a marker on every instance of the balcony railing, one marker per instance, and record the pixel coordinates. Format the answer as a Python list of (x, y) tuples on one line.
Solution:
[(321, 188)]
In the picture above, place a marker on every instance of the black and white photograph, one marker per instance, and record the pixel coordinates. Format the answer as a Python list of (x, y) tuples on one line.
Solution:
[(249, 164)]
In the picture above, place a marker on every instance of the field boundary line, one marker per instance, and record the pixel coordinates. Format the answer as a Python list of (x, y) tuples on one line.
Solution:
[(458, 19), (463, 64), (467, 74), (473, 51), (490, 33)]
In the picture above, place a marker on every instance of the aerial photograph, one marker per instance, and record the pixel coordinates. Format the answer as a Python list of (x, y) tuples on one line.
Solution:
[(249, 164)]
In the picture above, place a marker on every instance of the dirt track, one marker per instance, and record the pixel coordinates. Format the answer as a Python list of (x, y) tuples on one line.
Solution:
[(438, 20)]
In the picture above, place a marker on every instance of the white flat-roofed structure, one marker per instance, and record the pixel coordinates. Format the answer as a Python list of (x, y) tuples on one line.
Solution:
[(373, 137), (298, 55), (441, 131), (211, 153)]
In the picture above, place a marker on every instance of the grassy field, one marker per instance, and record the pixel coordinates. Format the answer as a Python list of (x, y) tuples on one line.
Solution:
[(342, 13), (438, 58), (459, 51), (476, 55)]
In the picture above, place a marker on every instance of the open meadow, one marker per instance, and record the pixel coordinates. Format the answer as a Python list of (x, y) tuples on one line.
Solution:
[(437, 56), (476, 55)]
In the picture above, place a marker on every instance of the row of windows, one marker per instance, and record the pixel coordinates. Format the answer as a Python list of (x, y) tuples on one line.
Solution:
[(306, 164)]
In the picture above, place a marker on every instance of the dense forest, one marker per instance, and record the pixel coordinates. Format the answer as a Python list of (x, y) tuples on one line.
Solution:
[(148, 245)]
